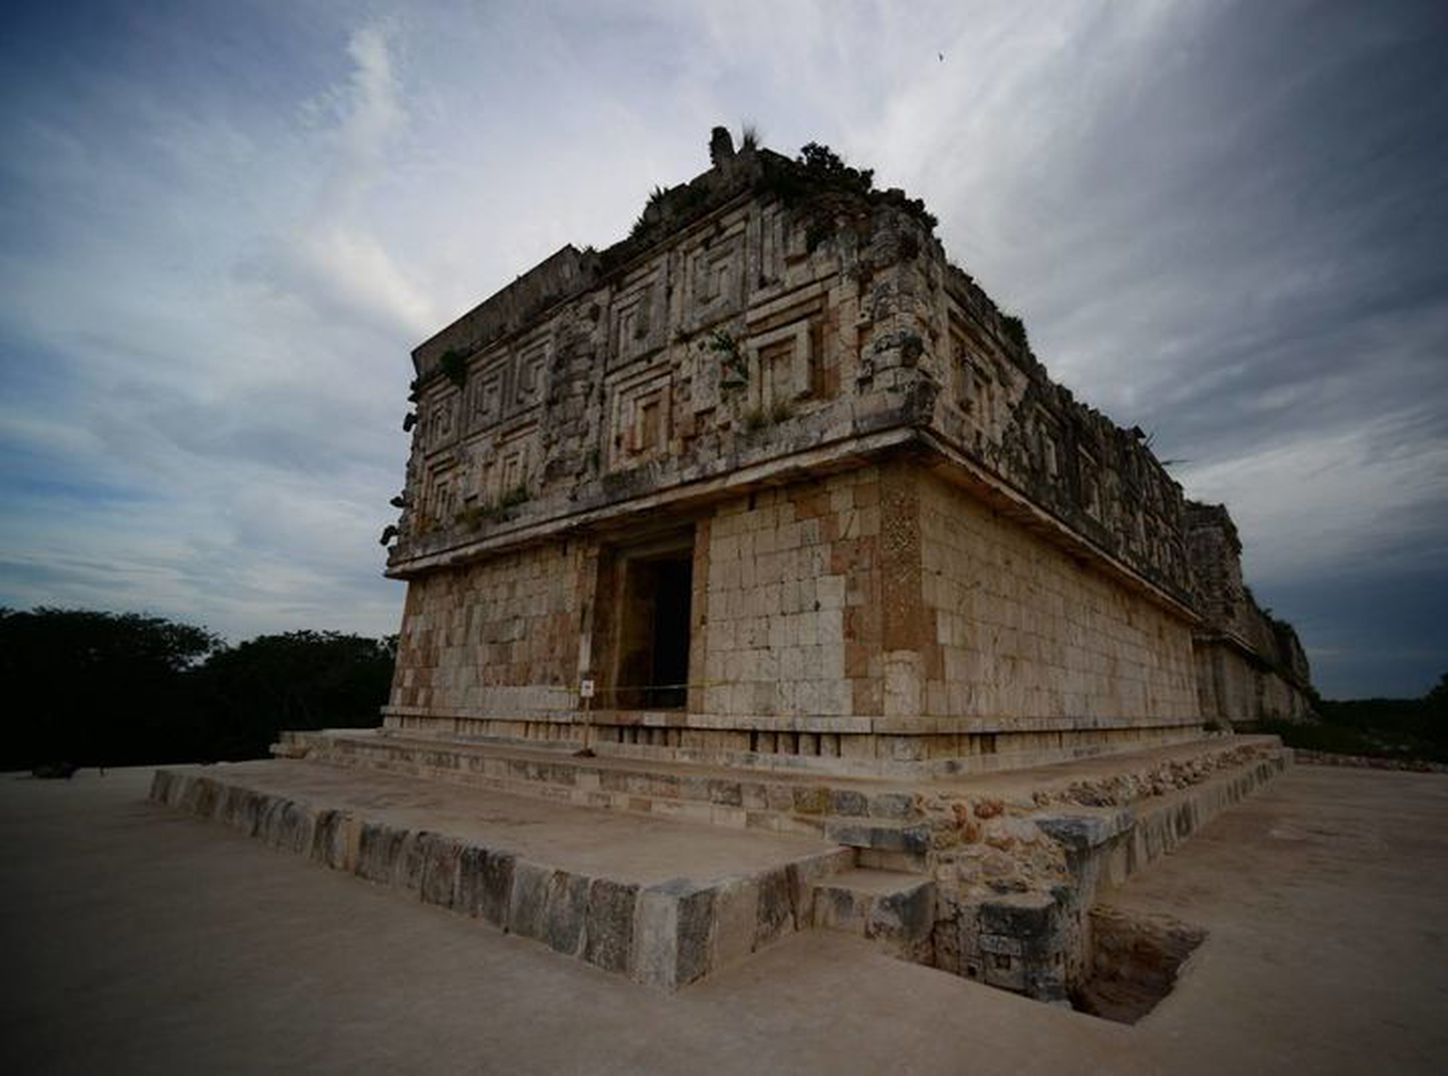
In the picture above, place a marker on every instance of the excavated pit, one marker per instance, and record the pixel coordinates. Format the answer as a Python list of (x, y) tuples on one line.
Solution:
[(1136, 961)]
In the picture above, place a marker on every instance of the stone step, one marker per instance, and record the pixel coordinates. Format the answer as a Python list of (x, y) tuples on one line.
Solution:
[(876, 816), (659, 902), (893, 908)]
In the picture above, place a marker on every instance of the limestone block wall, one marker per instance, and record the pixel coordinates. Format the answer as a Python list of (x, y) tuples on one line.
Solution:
[(1020, 628), (498, 636), (788, 592)]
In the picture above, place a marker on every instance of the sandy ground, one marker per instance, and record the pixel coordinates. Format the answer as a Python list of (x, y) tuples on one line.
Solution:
[(141, 940)]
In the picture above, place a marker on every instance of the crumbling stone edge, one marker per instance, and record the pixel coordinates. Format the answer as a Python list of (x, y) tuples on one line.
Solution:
[(665, 935), (1038, 941)]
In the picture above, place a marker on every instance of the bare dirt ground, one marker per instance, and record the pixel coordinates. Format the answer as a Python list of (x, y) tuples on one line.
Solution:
[(142, 940)]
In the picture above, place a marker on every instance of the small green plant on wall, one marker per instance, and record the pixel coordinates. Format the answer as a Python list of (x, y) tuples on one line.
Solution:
[(731, 357), (454, 366), (514, 497)]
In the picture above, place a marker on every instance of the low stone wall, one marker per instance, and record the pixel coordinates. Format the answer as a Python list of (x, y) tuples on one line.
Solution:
[(1368, 762)]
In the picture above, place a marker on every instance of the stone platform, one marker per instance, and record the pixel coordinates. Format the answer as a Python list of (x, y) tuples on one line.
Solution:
[(666, 871), (662, 902)]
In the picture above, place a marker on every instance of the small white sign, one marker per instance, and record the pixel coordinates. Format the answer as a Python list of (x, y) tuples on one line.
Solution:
[(585, 689)]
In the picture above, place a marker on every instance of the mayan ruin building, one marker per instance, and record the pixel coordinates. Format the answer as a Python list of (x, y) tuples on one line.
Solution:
[(767, 519), (790, 489)]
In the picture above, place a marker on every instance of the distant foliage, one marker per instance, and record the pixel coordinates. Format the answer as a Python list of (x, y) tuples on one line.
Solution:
[(94, 688), (1379, 728), (86, 686), (245, 695)]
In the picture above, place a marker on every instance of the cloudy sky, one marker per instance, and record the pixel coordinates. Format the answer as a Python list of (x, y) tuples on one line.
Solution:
[(223, 225)]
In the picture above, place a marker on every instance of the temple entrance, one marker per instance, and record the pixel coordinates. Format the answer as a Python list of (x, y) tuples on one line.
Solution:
[(653, 625)]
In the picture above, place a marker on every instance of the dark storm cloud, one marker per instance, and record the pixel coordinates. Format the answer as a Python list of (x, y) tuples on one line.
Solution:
[(1234, 239)]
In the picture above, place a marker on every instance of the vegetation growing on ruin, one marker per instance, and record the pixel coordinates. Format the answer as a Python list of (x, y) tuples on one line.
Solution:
[(1015, 330), (673, 207), (731, 356), (819, 183), (454, 366), (475, 515), (514, 497), (755, 419), (1405, 729)]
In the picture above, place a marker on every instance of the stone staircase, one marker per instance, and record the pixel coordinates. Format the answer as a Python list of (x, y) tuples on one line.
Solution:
[(891, 908)]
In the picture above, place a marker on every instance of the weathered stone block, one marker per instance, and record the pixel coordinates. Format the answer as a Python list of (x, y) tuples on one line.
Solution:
[(379, 849), (565, 908), (485, 880), (778, 908), (610, 924), (527, 899), (329, 839)]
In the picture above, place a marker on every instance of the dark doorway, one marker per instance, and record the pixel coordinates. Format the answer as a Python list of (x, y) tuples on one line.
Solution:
[(673, 580), (653, 659)]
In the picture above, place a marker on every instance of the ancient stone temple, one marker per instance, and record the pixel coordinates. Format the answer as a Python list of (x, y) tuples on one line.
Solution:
[(789, 489), (767, 520)]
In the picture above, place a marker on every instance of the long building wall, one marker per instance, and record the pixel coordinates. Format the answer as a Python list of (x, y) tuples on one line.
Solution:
[(1020, 628)]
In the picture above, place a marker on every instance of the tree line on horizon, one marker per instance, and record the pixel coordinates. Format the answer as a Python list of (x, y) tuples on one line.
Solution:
[(92, 688), (95, 688)]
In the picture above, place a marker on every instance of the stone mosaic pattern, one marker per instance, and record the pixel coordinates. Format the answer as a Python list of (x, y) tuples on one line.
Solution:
[(741, 328)]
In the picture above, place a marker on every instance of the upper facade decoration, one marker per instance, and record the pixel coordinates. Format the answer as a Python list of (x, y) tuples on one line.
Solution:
[(771, 312)]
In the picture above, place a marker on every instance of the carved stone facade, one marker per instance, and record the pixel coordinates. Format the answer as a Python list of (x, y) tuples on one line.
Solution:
[(790, 490)]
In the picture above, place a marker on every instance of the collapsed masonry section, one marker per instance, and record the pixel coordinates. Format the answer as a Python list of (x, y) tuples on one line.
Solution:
[(789, 489)]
